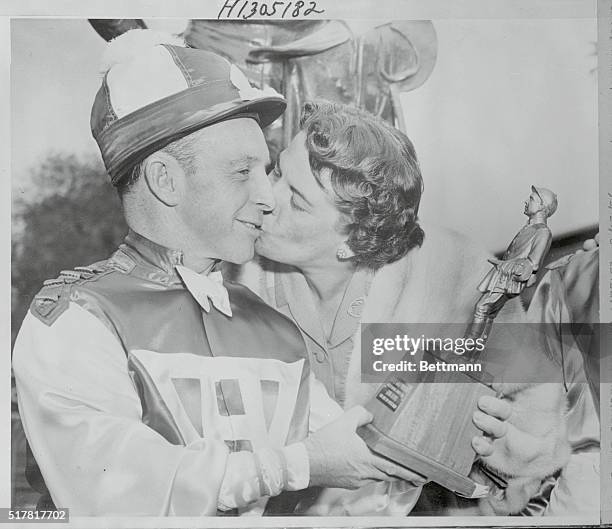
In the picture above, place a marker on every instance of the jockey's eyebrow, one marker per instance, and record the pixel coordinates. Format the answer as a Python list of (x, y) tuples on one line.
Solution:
[(247, 160)]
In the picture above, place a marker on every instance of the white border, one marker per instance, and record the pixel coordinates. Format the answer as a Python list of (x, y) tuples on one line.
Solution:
[(604, 34), (5, 265), (309, 521)]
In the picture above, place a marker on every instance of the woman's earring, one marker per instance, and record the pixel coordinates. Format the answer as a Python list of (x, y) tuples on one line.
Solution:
[(344, 252)]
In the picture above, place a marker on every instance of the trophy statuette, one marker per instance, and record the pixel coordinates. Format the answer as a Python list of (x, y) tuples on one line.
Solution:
[(427, 427)]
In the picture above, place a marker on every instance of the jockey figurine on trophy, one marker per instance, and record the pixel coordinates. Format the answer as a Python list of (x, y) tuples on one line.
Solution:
[(518, 267)]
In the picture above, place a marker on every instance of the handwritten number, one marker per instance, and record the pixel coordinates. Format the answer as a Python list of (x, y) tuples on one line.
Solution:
[(253, 11), (313, 9), (298, 5), (274, 8), (266, 10), (242, 8)]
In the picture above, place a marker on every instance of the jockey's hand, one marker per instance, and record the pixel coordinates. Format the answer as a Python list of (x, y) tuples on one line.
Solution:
[(519, 268), (340, 458), (491, 418), (507, 268)]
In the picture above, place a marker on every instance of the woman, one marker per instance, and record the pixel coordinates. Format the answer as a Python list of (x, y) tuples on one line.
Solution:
[(344, 246)]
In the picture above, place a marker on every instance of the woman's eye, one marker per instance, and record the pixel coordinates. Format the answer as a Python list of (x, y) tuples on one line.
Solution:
[(294, 204), (245, 172)]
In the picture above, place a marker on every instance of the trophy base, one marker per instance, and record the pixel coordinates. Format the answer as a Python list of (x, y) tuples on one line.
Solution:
[(383, 445)]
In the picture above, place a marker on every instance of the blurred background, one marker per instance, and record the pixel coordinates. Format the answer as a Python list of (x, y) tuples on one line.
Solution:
[(497, 105)]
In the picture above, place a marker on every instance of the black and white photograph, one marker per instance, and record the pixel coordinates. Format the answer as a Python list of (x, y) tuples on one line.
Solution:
[(288, 261)]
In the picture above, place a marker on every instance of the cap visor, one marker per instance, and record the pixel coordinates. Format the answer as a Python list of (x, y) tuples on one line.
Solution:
[(132, 138)]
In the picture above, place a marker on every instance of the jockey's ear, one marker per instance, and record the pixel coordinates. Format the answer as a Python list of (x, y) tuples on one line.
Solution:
[(162, 174)]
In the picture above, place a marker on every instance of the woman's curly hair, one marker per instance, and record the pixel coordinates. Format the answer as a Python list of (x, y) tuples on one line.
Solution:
[(375, 176)]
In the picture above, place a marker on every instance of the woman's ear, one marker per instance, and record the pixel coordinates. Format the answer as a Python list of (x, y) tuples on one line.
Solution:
[(163, 175)]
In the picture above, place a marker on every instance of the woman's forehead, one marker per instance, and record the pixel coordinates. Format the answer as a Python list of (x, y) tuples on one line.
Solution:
[(296, 169)]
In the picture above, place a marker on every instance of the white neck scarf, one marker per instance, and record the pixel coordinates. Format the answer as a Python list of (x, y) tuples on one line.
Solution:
[(206, 287)]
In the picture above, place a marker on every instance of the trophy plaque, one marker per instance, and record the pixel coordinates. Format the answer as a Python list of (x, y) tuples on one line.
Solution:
[(427, 427)]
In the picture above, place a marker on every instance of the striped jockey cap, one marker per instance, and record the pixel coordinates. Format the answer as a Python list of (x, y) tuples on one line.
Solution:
[(155, 91)]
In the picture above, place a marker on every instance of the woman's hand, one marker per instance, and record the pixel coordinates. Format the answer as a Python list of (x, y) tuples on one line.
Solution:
[(491, 418)]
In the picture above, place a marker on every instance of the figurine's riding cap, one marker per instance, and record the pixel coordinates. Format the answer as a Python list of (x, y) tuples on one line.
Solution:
[(156, 91), (549, 199)]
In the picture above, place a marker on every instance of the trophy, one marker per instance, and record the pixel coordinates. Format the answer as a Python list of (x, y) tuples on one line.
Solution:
[(426, 426)]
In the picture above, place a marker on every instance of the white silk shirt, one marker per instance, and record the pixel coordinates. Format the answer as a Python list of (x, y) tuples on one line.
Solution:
[(83, 418)]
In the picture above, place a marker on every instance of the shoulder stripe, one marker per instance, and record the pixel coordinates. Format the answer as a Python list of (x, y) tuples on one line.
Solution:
[(54, 297)]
